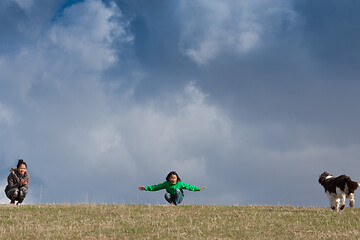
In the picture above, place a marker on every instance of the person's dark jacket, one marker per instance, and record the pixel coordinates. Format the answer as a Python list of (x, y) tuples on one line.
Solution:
[(14, 179)]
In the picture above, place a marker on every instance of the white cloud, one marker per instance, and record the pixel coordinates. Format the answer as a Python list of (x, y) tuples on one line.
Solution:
[(86, 32), (214, 27), (172, 132), (82, 42)]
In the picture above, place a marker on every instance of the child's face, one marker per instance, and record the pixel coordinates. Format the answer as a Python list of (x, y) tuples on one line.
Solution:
[(22, 169), (173, 179)]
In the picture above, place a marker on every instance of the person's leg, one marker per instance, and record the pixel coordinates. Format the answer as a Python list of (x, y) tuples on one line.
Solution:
[(22, 194), (13, 194), (169, 198), (178, 197)]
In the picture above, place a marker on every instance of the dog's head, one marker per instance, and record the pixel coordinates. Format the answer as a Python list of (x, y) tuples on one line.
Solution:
[(322, 177)]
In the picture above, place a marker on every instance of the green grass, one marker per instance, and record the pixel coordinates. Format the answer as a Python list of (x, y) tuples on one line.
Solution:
[(97, 221)]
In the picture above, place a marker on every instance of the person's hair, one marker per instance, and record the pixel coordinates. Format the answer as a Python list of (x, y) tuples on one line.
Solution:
[(20, 162), (173, 173)]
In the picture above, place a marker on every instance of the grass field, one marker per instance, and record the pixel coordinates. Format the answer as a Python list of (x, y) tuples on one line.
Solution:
[(87, 221)]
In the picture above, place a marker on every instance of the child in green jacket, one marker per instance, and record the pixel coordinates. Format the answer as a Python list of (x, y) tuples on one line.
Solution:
[(174, 188)]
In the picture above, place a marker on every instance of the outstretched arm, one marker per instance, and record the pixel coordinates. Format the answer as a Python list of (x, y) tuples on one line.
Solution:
[(153, 187), (192, 187)]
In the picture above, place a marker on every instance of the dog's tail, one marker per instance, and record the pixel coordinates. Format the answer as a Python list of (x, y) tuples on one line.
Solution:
[(357, 184), (352, 185)]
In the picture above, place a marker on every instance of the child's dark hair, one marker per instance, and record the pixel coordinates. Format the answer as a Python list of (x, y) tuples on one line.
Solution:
[(173, 173), (20, 162)]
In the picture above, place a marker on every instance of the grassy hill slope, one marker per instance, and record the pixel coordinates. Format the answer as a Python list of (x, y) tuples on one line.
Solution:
[(86, 221)]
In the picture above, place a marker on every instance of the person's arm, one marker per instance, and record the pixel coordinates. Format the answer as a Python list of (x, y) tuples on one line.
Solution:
[(25, 182), (12, 181), (192, 187), (153, 187)]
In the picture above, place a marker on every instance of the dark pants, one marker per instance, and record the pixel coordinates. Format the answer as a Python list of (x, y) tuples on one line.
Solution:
[(176, 198), (17, 194)]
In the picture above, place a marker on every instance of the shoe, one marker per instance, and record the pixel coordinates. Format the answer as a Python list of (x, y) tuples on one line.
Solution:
[(12, 202), (19, 204)]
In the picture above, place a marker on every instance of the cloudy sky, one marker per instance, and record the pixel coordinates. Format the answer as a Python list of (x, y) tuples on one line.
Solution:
[(252, 98)]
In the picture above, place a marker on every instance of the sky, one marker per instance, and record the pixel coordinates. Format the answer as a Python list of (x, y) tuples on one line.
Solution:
[(253, 99)]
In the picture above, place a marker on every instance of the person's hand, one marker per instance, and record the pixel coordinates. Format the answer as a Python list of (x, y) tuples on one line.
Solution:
[(23, 182), (202, 188), (141, 188)]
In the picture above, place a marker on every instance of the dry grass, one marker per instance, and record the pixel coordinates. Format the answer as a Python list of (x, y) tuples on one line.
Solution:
[(177, 222)]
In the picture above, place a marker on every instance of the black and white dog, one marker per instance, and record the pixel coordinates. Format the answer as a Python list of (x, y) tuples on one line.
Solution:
[(338, 188)]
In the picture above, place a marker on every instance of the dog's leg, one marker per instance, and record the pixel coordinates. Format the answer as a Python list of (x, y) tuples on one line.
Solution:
[(332, 200), (351, 199), (335, 204), (342, 198)]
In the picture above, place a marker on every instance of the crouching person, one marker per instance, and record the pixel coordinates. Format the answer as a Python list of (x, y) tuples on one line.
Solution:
[(18, 183)]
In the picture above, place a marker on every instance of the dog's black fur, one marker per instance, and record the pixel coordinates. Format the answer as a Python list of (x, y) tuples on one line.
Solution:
[(343, 183)]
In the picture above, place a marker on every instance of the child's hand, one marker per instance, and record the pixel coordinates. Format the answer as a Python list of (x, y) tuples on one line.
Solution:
[(23, 182), (202, 188), (142, 188)]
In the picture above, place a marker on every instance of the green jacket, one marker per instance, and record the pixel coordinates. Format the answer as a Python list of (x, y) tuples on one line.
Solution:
[(170, 188)]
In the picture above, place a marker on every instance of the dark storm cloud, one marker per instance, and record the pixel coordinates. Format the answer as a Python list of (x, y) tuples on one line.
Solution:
[(331, 33)]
